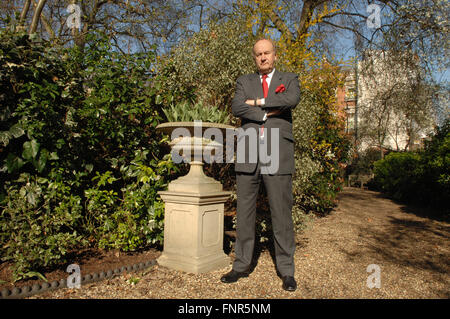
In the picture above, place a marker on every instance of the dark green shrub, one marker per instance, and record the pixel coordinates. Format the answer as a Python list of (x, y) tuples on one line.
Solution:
[(421, 177), (34, 109), (81, 127), (39, 224), (363, 163), (398, 174)]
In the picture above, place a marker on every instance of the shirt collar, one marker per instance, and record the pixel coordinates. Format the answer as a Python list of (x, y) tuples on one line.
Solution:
[(269, 75)]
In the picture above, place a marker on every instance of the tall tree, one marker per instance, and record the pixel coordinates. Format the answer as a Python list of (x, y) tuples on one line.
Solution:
[(132, 25), (394, 105)]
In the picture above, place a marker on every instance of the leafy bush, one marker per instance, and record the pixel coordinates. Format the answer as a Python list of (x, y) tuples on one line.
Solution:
[(436, 168), (39, 224), (34, 110), (78, 141), (421, 177), (135, 219), (205, 67), (399, 174)]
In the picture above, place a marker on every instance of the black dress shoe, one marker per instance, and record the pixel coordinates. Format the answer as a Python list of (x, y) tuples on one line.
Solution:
[(233, 276), (289, 283)]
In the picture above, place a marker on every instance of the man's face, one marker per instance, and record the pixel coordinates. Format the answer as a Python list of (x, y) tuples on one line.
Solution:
[(265, 57)]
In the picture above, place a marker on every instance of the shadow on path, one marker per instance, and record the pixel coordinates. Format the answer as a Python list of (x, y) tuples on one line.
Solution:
[(396, 233)]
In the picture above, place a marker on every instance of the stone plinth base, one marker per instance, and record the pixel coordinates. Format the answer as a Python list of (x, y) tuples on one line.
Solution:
[(193, 231), (195, 265)]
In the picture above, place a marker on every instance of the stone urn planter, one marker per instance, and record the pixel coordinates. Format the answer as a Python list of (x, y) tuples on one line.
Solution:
[(194, 203)]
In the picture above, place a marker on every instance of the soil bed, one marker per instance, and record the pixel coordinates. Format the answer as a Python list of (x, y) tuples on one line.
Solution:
[(89, 260)]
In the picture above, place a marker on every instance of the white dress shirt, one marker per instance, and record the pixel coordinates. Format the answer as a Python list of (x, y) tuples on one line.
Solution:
[(268, 79)]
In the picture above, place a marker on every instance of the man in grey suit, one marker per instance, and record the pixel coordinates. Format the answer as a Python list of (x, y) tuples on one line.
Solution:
[(264, 101)]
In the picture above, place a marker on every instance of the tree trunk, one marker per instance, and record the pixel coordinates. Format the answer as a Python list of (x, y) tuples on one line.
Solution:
[(23, 14), (305, 18), (36, 16)]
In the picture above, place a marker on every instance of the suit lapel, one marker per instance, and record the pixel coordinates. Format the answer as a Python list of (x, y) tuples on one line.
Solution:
[(256, 85)]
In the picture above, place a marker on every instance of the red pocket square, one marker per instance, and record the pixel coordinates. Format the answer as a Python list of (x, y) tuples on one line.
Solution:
[(280, 88)]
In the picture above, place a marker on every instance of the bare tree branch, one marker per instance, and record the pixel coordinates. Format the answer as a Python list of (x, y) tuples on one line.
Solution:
[(280, 25), (346, 28)]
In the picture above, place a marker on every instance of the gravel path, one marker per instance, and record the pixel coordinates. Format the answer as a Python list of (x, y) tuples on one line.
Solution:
[(333, 254)]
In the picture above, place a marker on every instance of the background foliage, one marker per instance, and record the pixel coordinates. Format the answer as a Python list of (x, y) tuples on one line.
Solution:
[(420, 177), (78, 143), (205, 67)]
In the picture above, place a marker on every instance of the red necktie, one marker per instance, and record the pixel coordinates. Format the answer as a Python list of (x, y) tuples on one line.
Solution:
[(264, 85), (265, 88)]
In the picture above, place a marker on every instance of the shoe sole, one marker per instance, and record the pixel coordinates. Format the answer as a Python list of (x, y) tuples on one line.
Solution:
[(230, 282), (290, 289)]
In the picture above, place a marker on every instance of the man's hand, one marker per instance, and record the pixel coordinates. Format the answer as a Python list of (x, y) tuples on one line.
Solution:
[(274, 113), (252, 102)]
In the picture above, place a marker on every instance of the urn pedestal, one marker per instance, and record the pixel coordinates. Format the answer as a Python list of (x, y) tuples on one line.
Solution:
[(194, 222)]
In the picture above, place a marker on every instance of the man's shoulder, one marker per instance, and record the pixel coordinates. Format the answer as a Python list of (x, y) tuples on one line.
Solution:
[(287, 74), (250, 76), (246, 77)]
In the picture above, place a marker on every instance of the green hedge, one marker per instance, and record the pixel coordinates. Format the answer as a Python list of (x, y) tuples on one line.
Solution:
[(399, 174), (421, 177), (80, 159)]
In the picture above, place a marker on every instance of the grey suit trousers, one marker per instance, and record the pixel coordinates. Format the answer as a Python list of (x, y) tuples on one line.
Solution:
[(279, 191)]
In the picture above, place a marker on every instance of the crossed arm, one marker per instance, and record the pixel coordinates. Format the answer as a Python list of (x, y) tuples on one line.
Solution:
[(258, 103)]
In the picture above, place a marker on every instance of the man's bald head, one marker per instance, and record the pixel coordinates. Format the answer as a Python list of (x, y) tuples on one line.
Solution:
[(264, 39)]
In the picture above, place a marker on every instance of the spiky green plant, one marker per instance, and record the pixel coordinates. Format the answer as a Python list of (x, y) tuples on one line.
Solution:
[(188, 112)]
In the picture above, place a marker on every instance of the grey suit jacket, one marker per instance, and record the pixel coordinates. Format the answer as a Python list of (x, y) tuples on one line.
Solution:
[(249, 87)]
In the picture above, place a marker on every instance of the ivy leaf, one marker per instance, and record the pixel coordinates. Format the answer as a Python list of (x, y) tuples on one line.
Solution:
[(89, 167), (30, 149), (42, 161), (4, 137), (16, 131), (53, 156), (13, 163)]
